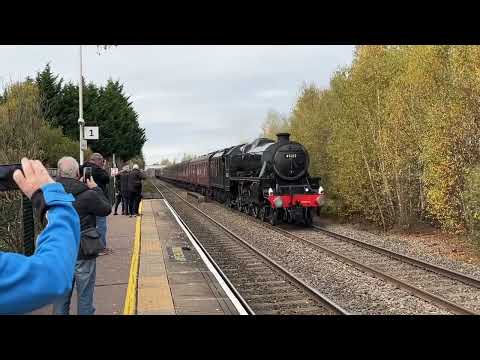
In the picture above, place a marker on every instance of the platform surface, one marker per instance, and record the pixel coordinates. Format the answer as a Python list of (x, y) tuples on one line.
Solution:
[(112, 270), (172, 277)]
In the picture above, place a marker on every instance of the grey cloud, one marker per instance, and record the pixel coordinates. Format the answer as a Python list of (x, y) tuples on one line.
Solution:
[(191, 98)]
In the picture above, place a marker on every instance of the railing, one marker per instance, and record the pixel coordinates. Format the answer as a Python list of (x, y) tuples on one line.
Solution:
[(18, 226)]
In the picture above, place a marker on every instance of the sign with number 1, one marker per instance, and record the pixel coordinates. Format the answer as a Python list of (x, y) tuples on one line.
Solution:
[(90, 133)]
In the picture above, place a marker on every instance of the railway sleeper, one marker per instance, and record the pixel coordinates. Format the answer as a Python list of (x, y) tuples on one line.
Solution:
[(264, 273), (280, 304), (260, 298), (256, 282), (304, 311), (263, 290)]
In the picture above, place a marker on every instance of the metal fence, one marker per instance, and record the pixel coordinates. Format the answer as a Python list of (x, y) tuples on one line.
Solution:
[(17, 223)]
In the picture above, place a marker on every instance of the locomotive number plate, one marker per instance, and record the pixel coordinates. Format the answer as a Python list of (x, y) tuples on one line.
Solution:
[(290, 156)]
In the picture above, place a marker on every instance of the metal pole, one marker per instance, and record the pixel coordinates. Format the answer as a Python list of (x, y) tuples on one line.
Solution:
[(81, 122)]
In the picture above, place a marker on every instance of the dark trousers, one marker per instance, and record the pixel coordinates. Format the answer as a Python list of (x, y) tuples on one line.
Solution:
[(138, 202), (118, 200), (134, 200), (125, 203)]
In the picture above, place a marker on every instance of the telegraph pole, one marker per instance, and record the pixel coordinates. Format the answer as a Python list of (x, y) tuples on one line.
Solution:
[(81, 122)]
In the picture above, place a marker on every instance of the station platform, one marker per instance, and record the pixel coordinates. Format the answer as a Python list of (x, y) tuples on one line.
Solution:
[(154, 270), (112, 270), (172, 278)]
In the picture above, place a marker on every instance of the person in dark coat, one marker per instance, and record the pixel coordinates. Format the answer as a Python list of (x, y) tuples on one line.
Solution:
[(101, 177), (124, 189), (90, 202), (118, 195), (135, 178)]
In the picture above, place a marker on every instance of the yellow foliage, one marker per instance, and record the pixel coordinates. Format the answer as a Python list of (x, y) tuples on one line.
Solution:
[(396, 134)]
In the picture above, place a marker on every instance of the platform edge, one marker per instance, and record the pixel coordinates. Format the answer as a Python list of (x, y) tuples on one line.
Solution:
[(130, 307)]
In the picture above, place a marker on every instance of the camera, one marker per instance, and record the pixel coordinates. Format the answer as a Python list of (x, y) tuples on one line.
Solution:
[(6, 177), (87, 174)]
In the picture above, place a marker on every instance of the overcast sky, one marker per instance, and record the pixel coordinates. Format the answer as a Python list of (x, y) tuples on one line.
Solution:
[(190, 99)]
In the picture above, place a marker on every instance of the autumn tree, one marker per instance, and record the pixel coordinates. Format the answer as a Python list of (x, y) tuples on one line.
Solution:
[(395, 136), (273, 124)]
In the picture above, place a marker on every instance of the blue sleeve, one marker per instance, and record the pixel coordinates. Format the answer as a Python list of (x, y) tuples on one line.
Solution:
[(28, 283)]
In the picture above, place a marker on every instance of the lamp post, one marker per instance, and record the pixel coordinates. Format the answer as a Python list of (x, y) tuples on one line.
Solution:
[(81, 122)]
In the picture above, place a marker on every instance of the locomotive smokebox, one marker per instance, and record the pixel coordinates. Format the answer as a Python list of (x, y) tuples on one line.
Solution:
[(283, 138)]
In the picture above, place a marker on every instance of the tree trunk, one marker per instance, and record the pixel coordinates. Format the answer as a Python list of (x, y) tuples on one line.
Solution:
[(373, 190)]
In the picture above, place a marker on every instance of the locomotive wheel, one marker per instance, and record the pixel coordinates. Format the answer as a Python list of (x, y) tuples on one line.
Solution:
[(262, 213), (255, 210), (274, 217), (307, 217), (290, 218)]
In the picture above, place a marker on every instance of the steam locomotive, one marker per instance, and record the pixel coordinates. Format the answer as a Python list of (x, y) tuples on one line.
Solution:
[(266, 179)]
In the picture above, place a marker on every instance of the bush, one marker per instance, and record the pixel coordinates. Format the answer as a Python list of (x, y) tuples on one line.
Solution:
[(55, 145), (25, 133), (20, 120)]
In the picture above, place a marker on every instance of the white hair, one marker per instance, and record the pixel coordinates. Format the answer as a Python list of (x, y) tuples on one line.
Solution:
[(96, 157), (135, 166), (68, 167)]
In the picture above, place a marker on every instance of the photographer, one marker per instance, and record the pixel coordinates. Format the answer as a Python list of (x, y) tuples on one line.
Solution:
[(101, 177), (90, 202), (29, 283)]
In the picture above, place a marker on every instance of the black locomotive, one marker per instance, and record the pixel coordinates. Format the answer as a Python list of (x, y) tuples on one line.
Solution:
[(266, 179)]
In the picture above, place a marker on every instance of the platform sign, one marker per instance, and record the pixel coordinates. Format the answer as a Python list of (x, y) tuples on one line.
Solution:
[(113, 171), (90, 133), (83, 145)]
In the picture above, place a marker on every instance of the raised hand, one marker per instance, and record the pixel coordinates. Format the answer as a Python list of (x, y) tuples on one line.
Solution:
[(34, 176)]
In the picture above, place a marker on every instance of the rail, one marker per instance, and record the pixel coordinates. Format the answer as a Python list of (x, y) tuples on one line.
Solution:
[(421, 293), (313, 292)]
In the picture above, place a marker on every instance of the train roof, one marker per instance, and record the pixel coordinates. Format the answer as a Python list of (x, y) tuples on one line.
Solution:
[(200, 158), (220, 153)]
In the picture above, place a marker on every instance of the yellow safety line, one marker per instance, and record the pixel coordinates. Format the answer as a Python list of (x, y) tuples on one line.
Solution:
[(131, 296)]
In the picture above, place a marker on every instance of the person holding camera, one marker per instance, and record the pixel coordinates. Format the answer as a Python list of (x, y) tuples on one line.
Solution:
[(29, 283), (96, 165), (90, 202)]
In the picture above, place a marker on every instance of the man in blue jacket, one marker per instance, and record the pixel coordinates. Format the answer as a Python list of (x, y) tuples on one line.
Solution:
[(29, 283)]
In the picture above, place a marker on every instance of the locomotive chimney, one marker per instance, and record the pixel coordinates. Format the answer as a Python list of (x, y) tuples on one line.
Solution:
[(283, 138)]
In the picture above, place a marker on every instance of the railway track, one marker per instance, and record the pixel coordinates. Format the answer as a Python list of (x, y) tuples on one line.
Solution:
[(450, 290), (266, 286), (446, 288), (453, 291)]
